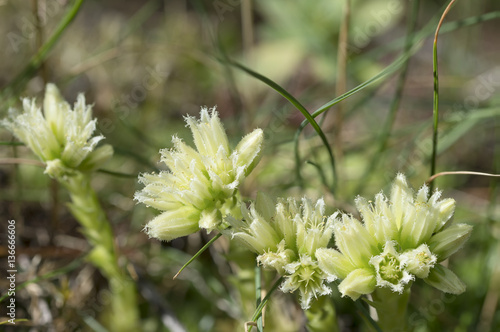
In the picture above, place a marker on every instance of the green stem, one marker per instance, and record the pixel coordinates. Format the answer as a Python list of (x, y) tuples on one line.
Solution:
[(391, 309), (258, 292), (205, 247), (260, 307), (436, 95), (95, 226), (321, 316)]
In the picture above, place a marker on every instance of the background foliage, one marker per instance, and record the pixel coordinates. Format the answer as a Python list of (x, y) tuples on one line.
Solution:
[(146, 64)]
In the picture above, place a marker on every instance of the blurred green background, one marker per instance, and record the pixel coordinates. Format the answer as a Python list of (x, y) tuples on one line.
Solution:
[(146, 64)]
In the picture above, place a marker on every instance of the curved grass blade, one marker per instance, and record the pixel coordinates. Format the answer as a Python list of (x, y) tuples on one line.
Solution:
[(432, 178), (416, 39), (17, 320), (392, 68), (205, 247), (320, 171), (37, 60), (298, 106), (416, 45)]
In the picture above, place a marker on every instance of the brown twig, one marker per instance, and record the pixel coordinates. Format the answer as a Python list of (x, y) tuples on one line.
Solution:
[(442, 20), (460, 172)]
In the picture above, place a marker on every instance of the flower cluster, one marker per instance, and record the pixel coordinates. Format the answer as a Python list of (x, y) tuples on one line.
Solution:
[(60, 136), (201, 186), (286, 236), (402, 238)]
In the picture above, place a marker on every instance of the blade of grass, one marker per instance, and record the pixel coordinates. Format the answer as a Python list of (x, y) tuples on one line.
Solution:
[(258, 296), (205, 247), (17, 320), (262, 304), (436, 95), (392, 68), (36, 61), (320, 172), (298, 106), (117, 174), (396, 64), (417, 38)]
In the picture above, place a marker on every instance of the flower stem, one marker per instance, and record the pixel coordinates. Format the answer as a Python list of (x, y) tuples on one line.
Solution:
[(321, 316), (391, 309), (87, 210)]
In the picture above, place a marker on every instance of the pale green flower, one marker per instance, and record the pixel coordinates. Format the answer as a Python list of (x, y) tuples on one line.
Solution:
[(286, 236), (305, 275), (60, 136), (389, 269), (201, 186), (401, 238)]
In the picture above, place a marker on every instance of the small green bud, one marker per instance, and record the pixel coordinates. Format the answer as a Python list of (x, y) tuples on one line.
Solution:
[(334, 263), (173, 224), (448, 241), (97, 158), (358, 282), (445, 209), (210, 219), (247, 152), (445, 280)]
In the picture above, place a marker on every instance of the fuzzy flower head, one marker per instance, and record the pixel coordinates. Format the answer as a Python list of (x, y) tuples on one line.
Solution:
[(401, 238), (201, 185), (286, 236), (61, 137)]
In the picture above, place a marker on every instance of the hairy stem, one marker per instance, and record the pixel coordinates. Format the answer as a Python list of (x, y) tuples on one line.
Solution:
[(95, 226)]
